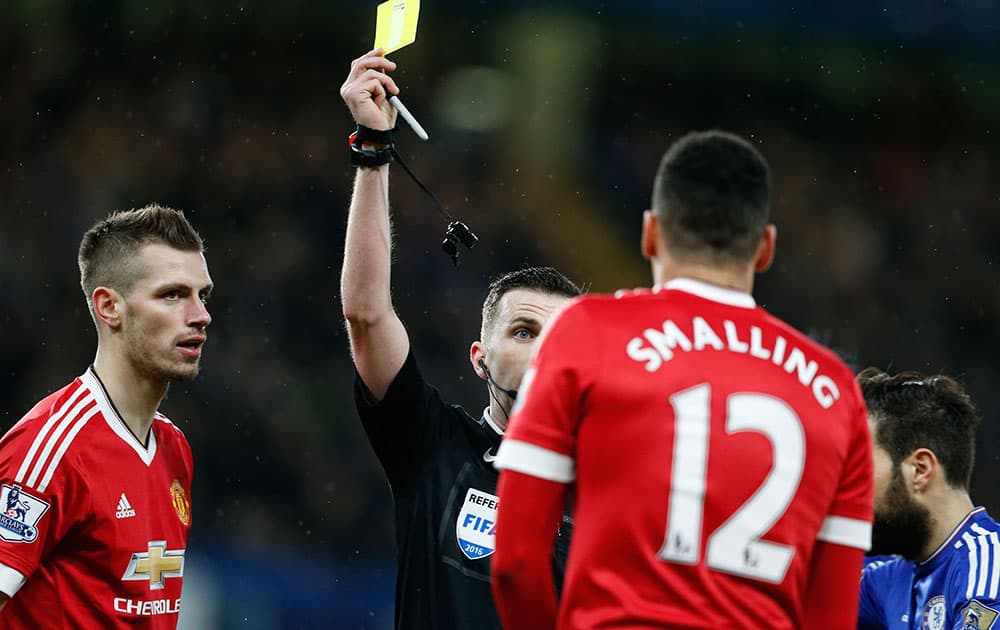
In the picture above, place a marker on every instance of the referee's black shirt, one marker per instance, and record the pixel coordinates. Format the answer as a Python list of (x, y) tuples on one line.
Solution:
[(438, 460)]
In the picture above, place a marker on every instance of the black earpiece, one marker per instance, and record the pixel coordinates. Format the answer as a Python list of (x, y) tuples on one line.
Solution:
[(510, 392)]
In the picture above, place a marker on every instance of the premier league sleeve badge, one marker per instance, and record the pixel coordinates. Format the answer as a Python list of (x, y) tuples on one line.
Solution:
[(978, 616), (21, 513)]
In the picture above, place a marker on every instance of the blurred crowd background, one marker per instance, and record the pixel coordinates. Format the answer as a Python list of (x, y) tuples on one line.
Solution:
[(547, 120)]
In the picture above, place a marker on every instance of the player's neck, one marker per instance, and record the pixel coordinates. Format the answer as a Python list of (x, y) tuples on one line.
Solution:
[(950, 507), (730, 278), (136, 398)]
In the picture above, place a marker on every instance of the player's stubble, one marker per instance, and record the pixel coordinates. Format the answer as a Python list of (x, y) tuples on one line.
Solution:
[(156, 359)]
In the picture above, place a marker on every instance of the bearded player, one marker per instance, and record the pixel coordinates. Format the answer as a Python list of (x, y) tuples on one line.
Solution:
[(946, 569)]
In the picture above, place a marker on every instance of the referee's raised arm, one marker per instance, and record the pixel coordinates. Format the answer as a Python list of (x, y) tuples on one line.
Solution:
[(379, 343)]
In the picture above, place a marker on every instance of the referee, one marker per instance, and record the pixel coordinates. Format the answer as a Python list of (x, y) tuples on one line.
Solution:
[(437, 457)]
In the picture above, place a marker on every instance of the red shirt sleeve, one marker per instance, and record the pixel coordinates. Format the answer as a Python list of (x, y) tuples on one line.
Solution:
[(527, 522), (37, 512), (833, 589), (849, 518)]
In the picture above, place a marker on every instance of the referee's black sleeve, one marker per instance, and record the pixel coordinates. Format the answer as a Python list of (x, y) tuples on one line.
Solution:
[(402, 425)]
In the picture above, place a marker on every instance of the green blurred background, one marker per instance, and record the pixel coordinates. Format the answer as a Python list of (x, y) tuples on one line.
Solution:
[(547, 120)]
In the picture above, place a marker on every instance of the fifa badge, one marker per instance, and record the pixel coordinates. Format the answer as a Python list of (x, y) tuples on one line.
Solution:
[(476, 524)]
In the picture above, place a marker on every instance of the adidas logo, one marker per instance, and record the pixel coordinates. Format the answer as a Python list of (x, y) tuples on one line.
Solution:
[(124, 508)]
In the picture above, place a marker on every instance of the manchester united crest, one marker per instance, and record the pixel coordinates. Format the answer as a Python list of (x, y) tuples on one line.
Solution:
[(180, 502)]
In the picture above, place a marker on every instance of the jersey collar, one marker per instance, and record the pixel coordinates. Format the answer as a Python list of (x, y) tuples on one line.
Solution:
[(489, 422), (117, 424), (951, 537), (712, 292)]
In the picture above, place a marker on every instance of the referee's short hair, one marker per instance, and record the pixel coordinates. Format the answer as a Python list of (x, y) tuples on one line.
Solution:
[(540, 279)]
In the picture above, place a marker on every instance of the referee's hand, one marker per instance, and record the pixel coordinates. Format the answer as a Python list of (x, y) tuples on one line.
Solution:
[(367, 89)]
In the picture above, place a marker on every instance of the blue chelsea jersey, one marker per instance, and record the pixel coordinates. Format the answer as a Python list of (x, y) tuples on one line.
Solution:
[(955, 588)]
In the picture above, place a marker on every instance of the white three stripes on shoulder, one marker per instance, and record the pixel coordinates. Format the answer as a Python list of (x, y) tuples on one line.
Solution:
[(994, 539), (56, 417), (984, 562), (71, 413), (65, 445)]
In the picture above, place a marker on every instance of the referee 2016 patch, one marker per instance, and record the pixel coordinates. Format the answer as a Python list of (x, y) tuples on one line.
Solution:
[(476, 524), (21, 513)]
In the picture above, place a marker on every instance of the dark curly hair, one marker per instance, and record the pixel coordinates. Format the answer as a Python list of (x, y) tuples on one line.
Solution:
[(912, 410)]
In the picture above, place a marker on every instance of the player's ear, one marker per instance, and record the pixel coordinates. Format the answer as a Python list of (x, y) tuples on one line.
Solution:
[(108, 306), (765, 249), (650, 241), (925, 467), (477, 353)]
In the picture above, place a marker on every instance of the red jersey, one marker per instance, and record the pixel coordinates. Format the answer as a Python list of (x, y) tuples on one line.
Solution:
[(711, 446), (95, 521)]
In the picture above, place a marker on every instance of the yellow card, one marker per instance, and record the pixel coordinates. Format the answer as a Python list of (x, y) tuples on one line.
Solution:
[(396, 24)]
